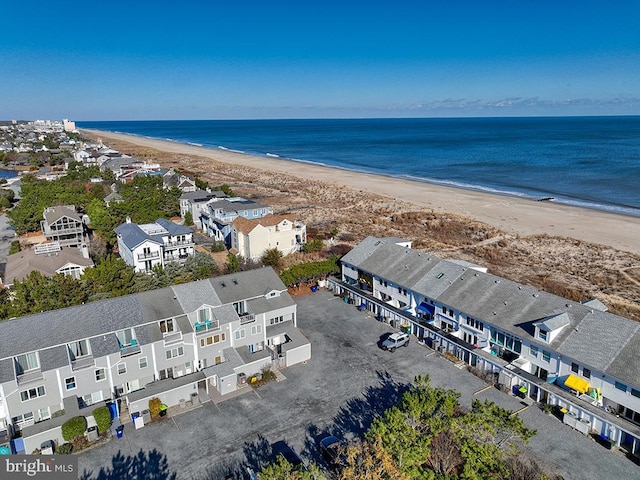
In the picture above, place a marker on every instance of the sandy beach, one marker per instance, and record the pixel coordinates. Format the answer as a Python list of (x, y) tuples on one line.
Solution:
[(510, 214)]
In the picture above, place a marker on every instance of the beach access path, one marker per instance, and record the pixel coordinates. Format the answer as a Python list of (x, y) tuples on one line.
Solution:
[(513, 215)]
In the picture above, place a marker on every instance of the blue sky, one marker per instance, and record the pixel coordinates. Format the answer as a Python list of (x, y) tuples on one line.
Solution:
[(210, 59)]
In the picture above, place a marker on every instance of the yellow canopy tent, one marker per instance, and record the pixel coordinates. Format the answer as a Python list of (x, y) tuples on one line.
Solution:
[(576, 383)]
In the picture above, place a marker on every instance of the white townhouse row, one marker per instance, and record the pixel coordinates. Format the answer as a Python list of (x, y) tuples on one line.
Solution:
[(572, 355), (185, 343)]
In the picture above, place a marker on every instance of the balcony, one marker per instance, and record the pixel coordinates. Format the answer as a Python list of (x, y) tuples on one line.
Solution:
[(247, 318), (83, 362), (206, 326), (184, 243), (30, 376), (171, 338), (148, 255), (131, 349)]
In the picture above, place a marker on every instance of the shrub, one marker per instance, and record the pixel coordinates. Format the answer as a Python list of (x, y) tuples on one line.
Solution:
[(65, 448), (154, 407), (103, 418), (188, 219), (309, 270), (218, 247), (15, 247), (311, 246), (74, 427)]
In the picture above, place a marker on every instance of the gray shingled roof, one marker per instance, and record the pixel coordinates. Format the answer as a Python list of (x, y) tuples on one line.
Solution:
[(227, 206), (53, 214), (233, 287), (589, 336), (262, 304), (192, 296)]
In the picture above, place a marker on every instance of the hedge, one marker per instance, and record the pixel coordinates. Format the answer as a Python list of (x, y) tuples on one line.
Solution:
[(74, 427), (103, 418), (309, 270)]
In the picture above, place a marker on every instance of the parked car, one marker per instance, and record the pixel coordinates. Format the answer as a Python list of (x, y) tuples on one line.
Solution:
[(395, 340), (281, 449), (332, 450)]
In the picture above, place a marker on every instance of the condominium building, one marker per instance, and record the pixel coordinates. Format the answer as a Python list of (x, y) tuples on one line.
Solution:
[(188, 342), (545, 348)]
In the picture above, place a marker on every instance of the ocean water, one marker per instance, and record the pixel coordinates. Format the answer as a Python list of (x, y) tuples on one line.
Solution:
[(591, 162)]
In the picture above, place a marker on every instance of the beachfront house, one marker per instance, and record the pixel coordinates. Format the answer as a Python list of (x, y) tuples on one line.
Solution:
[(217, 216), (63, 225), (571, 355), (196, 201), (183, 344), (154, 244), (184, 183), (251, 238)]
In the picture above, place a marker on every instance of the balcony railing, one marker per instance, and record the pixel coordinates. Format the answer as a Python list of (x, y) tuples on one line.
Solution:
[(170, 338), (184, 243), (247, 318), (206, 326), (30, 376), (148, 256), (83, 362), (128, 350)]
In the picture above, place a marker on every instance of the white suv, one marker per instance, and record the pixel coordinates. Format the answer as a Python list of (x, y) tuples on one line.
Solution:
[(396, 340)]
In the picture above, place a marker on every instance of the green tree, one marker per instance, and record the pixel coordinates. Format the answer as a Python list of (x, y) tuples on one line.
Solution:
[(37, 293), (311, 246), (200, 266), (233, 263), (280, 469), (111, 277), (272, 258), (188, 219)]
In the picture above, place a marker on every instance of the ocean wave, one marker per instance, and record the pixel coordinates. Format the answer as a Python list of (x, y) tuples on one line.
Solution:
[(274, 155), (195, 144)]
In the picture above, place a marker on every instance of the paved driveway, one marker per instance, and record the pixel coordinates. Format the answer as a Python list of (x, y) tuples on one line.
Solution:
[(347, 382)]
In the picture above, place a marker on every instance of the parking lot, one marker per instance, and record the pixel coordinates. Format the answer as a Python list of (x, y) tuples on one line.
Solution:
[(348, 381)]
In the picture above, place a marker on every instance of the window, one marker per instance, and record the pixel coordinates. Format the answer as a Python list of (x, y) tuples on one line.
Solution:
[(240, 333), (256, 329), (546, 356), (635, 393), (533, 351), (122, 368), (175, 352), (70, 383), (621, 386), (44, 413), (239, 308), (167, 326), (217, 338), (126, 337), (27, 362), (32, 393), (79, 349), (142, 362), (273, 321), (204, 315), (91, 398), (574, 367), (586, 373), (101, 374), (477, 324), (217, 360), (542, 334)]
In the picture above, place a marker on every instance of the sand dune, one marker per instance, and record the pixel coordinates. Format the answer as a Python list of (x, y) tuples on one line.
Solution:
[(512, 215)]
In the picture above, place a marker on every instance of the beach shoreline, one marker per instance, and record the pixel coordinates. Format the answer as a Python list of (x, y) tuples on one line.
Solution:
[(513, 215)]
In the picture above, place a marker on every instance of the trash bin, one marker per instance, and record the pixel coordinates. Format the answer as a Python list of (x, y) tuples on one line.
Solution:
[(163, 410), (314, 288), (195, 399), (134, 415), (120, 431), (406, 328), (146, 416), (92, 434)]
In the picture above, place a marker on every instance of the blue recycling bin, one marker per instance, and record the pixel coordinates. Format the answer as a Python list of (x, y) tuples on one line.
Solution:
[(119, 431)]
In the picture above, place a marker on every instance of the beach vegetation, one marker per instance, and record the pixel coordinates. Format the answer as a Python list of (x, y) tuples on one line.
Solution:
[(312, 246), (233, 263), (227, 190), (305, 272), (218, 246), (272, 257), (201, 184)]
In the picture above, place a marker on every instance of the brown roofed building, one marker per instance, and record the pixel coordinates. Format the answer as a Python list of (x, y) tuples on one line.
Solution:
[(251, 238)]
